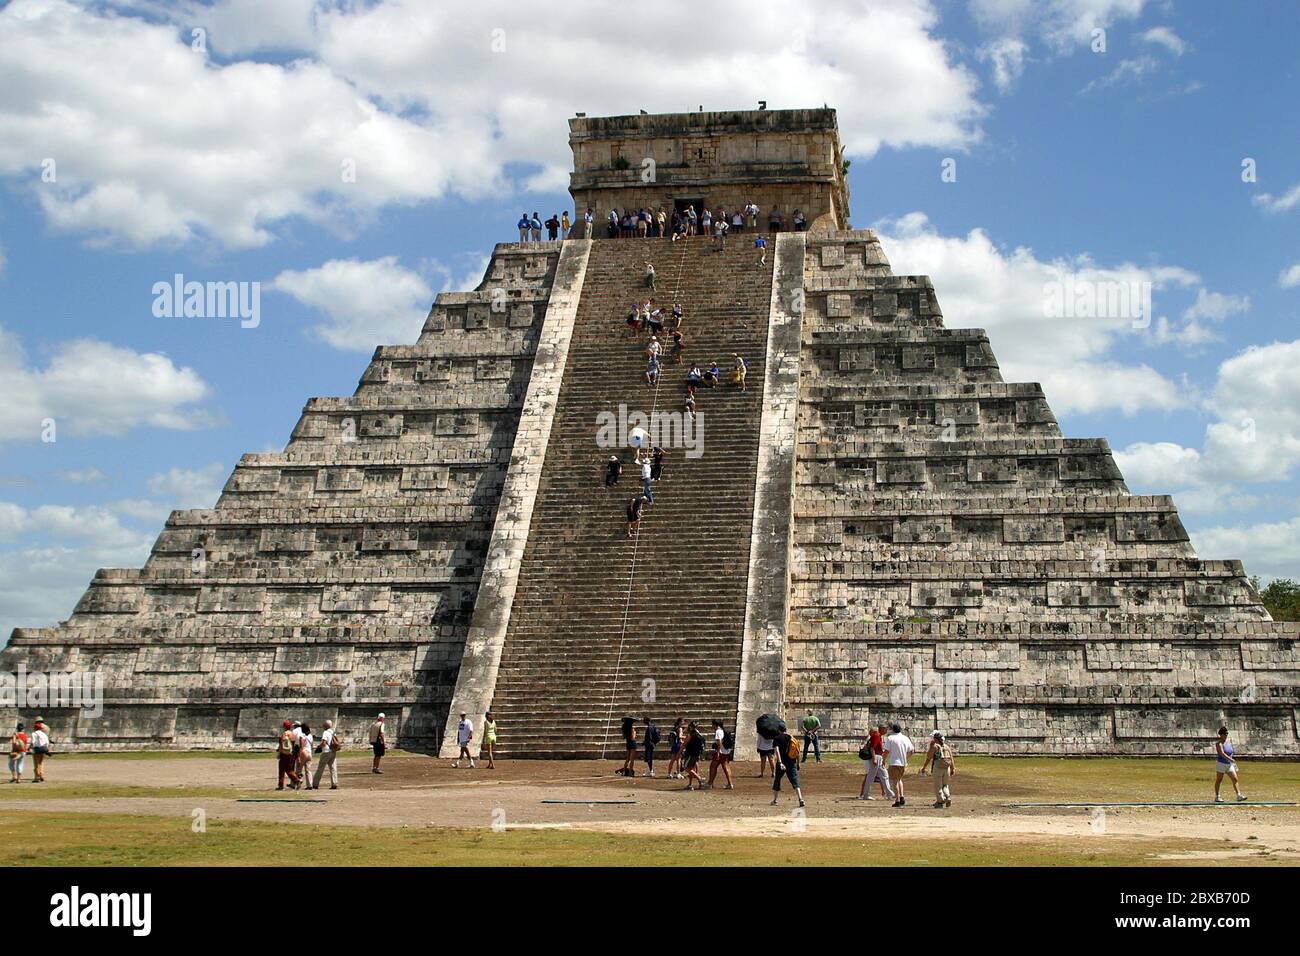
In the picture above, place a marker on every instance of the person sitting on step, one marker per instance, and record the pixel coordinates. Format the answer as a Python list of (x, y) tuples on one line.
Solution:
[(712, 375)]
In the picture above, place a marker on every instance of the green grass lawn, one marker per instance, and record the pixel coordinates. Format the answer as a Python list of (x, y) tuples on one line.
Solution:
[(85, 839), (26, 792)]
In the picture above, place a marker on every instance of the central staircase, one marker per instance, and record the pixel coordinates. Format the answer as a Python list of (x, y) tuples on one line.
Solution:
[(603, 625)]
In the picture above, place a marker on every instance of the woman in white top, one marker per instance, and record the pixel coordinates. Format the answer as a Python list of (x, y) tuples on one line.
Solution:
[(306, 744)]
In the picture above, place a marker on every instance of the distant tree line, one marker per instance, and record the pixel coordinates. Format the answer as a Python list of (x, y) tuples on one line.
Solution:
[(1281, 597)]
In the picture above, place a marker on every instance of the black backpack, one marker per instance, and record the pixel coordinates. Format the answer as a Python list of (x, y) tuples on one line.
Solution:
[(728, 741), (652, 735)]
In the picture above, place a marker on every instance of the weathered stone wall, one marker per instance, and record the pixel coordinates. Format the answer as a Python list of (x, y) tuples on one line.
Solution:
[(334, 579), (779, 159)]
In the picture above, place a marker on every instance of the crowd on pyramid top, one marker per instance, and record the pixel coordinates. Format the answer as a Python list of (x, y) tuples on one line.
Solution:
[(646, 223)]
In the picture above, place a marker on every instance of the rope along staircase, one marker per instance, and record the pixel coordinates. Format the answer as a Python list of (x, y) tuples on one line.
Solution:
[(604, 625)]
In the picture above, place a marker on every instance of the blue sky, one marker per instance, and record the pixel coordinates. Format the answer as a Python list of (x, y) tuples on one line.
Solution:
[(224, 163)]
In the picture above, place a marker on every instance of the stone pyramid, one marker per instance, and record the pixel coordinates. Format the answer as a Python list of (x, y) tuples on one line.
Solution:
[(877, 528)]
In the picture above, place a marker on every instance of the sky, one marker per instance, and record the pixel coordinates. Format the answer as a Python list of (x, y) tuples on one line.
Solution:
[(355, 159)]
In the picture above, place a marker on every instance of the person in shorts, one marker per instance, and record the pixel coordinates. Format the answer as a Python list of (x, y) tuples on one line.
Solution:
[(675, 745), (723, 744), (694, 750), (1225, 766), (766, 757), (377, 743), (786, 765)]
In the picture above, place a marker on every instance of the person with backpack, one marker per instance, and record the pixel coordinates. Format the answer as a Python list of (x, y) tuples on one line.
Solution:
[(40, 750), (629, 748), (17, 753), (328, 748), (876, 772), (650, 741), (724, 744), (898, 747), (675, 744), (284, 753), (811, 726), (944, 761), (692, 753), (787, 764)]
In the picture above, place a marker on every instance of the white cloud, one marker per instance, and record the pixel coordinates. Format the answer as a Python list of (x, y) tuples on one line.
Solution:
[(1126, 71), (415, 95), (1267, 549), (190, 487), (1275, 204), (1209, 309), (1007, 54), (1007, 293), (1290, 277), (1064, 25), (90, 387), (363, 302), (84, 476), (1167, 38)]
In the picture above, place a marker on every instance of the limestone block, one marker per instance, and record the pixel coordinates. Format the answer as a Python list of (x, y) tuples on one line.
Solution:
[(232, 599), (341, 598), (946, 594), (906, 471), (1129, 656), (139, 723), (173, 659), (296, 658)]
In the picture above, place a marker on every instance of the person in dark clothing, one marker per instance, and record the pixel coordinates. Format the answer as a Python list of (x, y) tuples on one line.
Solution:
[(785, 765), (629, 745), (552, 227), (648, 742), (634, 508), (691, 756), (613, 469), (657, 464)]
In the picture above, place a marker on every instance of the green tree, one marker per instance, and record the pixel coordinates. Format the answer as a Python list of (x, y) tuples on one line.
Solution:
[(1281, 597)]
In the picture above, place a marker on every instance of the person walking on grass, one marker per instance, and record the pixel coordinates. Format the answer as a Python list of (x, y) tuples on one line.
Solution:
[(898, 747), (649, 742), (464, 737), (811, 726), (18, 753), (766, 757), (284, 755), (40, 750), (378, 743), (694, 750), (1224, 766), (724, 743), (328, 749), (490, 739), (629, 747), (787, 765), (876, 772), (944, 760), (306, 743), (675, 744)]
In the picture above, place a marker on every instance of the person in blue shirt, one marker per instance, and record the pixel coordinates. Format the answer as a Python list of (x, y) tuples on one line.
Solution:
[(524, 226), (1225, 766)]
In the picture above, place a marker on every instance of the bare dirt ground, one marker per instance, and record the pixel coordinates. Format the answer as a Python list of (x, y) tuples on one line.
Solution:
[(420, 791)]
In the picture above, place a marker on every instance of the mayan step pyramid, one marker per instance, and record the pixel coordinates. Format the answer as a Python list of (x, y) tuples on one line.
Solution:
[(877, 528)]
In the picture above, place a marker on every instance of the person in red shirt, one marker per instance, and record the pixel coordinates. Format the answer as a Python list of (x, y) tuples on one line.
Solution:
[(17, 754), (876, 766)]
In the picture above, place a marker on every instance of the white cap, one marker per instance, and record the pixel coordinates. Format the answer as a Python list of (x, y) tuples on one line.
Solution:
[(381, 716)]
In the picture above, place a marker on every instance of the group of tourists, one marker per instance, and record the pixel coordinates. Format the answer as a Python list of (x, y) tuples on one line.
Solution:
[(20, 745), (296, 749), (647, 223)]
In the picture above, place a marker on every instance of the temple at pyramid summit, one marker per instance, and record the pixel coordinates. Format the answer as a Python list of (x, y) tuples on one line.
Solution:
[(877, 528)]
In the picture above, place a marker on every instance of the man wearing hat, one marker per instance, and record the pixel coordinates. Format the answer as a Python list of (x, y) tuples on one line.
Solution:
[(40, 749), (377, 742)]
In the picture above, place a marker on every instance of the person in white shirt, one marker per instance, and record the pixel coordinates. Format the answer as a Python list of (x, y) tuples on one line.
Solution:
[(40, 750), (723, 744), (305, 744), (898, 747), (464, 734), (327, 755)]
